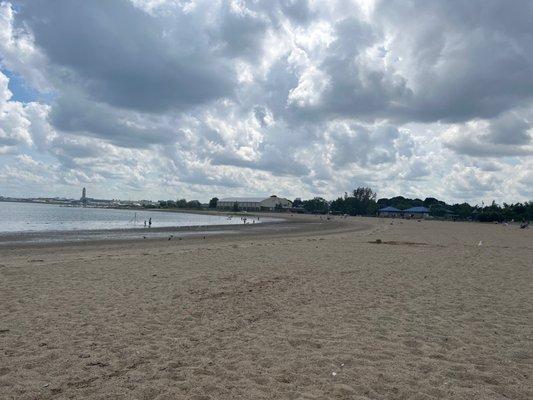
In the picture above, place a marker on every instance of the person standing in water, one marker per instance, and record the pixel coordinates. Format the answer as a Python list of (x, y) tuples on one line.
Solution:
[(149, 222), (145, 223)]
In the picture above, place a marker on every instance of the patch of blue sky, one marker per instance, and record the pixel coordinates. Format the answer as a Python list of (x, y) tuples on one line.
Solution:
[(512, 160), (22, 91)]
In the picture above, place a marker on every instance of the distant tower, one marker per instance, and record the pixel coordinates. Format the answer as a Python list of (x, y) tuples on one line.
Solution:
[(83, 196)]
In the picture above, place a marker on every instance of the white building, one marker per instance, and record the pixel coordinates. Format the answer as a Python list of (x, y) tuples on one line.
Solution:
[(254, 203)]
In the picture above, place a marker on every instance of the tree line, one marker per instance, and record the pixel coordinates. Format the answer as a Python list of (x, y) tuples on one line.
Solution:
[(180, 203), (362, 201)]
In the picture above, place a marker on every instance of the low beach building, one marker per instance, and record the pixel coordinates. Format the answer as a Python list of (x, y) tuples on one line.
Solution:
[(389, 212), (271, 203), (416, 212)]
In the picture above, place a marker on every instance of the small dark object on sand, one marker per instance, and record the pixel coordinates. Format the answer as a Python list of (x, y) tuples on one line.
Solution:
[(97, 364), (378, 241)]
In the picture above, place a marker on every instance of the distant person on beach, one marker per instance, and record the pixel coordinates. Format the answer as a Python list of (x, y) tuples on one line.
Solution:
[(150, 223), (145, 223)]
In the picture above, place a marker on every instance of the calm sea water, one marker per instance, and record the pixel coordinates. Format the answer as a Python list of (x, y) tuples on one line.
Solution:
[(32, 217)]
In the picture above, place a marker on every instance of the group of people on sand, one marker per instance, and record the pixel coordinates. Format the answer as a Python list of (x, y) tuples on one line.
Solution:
[(523, 224), (244, 219)]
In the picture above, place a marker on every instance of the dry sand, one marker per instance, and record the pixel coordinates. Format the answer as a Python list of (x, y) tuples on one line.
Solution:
[(314, 313)]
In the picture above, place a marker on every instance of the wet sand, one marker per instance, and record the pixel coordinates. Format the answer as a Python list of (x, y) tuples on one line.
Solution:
[(303, 310), (137, 233)]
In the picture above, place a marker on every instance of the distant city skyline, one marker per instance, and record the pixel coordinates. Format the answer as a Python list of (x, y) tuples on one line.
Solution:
[(239, 98)]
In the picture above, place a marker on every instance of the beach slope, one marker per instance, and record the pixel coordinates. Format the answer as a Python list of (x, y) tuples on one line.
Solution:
[(436, 310)]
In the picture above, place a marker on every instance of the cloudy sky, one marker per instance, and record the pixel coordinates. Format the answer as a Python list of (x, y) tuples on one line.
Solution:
[(160, 99)]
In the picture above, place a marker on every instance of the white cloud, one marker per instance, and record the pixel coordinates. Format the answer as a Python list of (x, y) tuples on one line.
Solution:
[(18, 51), (167, 98)]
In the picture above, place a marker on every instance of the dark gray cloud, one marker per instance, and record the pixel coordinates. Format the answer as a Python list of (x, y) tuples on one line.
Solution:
[(240, 33), (272, 159), (355, 89), (297, 10), (475, 146), (509, 129), (127, 58), (465, 59), (76, 115), (453, 64), (505, 136)]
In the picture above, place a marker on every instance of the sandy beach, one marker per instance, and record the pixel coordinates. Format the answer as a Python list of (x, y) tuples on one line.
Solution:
[(309, 310)]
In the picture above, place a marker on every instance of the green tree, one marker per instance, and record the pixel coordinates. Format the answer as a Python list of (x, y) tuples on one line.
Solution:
[(213, 202), (318, 205), (362, 202), (463, 211), (437, 210), (236, 207), (432, 201), (338, 206), (181, 203), (297, 202), (194, 205)]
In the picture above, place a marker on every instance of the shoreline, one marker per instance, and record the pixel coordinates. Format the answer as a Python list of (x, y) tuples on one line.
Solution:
[(103, 235), (140, 232), (291, 224)]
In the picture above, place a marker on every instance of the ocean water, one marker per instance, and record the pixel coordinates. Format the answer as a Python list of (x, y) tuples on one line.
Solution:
[(33, 217)]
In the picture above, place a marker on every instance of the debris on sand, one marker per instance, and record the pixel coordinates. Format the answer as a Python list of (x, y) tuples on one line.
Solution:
[(97, 364), (397, 243)]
